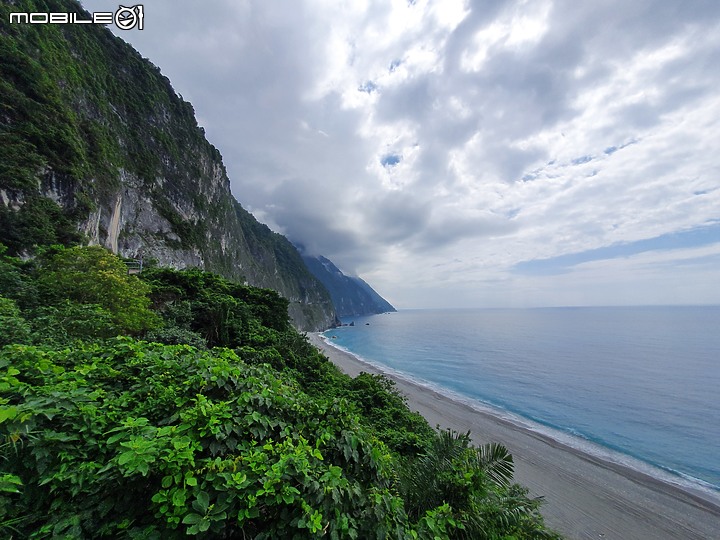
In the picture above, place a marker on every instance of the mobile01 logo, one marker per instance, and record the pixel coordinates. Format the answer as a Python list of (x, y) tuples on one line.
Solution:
[(125, 18)]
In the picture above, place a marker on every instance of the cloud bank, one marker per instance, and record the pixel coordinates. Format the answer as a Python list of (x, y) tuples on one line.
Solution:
[(439, 149)]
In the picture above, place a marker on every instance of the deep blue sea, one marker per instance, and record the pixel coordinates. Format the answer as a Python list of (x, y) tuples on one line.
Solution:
[(640, 385)]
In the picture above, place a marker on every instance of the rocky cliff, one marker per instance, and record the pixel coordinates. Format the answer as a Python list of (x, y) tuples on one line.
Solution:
[(96, 147), (350, 295)]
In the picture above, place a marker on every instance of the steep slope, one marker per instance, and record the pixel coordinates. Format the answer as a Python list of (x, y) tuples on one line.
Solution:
[(350, 295), (96, 146)]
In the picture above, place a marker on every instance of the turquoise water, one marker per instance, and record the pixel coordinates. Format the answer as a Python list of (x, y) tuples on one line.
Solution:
[(642, 383)]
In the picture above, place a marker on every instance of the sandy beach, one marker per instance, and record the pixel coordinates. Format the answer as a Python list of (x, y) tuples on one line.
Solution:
[(585, 497)]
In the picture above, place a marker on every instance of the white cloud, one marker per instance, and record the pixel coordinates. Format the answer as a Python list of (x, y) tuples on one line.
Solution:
[(516, 129), (523, 24)]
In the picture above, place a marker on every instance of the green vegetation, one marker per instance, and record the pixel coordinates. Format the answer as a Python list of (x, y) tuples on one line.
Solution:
[(185, 404), (85, 119), (93, 276), (180, 403), (77, 106)]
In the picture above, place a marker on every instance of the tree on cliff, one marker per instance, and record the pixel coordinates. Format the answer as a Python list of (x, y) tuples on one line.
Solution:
[(92, 276)]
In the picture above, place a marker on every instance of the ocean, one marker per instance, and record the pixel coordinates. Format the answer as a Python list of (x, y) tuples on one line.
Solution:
[(635, 385)]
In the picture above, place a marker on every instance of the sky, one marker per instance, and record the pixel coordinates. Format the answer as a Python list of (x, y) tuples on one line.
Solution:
[(459, 153)]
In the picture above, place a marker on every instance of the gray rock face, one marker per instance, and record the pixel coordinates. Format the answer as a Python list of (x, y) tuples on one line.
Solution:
[(350, 295), (194, 221), (133, 171)]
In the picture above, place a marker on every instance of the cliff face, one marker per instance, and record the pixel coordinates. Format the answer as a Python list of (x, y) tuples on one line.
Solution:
[(96, 146), (350, 295)]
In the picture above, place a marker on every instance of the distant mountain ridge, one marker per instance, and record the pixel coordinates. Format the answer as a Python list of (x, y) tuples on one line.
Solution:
[(96, 147), (351, 296)]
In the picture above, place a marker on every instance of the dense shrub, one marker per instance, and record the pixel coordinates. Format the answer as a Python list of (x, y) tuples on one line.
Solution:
[(13, 327), (130, 438), (93, 276), (104, 436)]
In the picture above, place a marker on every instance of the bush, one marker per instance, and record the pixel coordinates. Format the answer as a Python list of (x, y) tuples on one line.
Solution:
[(114, 437), (13, 328), (94, 276), (173, 335), (163, 441), (67, 322)]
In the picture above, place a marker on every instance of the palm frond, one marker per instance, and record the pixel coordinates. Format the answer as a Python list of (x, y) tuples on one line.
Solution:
[(497, 462)]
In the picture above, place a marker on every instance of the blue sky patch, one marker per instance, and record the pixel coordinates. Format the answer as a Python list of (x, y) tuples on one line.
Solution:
[(612, 149), (390, 160), (581, 160), (368, 87), (562, 264)]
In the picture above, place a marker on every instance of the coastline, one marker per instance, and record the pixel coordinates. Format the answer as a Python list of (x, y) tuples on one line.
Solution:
[(585, 496)]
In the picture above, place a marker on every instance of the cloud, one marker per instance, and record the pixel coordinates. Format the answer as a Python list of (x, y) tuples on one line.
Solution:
[(433, 148), (673, 246)]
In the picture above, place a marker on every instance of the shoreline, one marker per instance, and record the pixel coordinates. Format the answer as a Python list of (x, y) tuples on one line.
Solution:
[(585, 495)]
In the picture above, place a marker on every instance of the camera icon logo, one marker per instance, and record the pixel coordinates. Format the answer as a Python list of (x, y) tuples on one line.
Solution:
[(127, 18)]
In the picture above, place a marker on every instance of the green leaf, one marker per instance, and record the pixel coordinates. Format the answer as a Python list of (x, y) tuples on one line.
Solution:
[(126, 457), (252, 512), (7, 413), (192, 519), (9, 483), (203, 500), (179, 497)]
